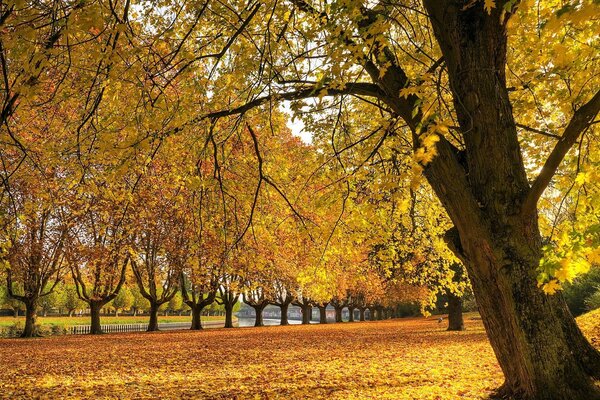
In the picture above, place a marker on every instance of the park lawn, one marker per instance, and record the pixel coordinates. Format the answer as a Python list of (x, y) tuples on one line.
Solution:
[(106, 320), (395, 359)]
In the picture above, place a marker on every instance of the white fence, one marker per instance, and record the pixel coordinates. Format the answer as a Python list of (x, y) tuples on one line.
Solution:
[(114, 328)]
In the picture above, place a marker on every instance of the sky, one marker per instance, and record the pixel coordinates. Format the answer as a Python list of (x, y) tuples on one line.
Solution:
[(297, 126)]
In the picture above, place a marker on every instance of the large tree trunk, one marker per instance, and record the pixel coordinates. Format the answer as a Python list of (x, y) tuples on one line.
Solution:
[(540, 349), (196, 318), (351, 314), (284, 313), (153, 323), (258, 319), (15, 312), (322, 314), (30, 319), (306, 314), (361, 314), (95, 308), (228, 315), (455, 314)]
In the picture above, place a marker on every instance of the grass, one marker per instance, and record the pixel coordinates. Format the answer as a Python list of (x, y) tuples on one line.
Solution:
[(105, 320)]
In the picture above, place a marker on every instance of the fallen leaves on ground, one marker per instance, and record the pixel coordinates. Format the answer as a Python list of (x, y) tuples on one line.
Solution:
[(398, 359)]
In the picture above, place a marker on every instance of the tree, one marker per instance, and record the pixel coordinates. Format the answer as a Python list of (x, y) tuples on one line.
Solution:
[(477, 167), (54, 300), (36, 243), (6, 300), (229, 294), (140, 303), (71, 299), (176, 304), (100, 253), (123, 301)]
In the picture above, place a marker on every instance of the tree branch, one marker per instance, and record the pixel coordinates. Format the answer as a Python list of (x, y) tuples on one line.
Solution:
[(581, 120)]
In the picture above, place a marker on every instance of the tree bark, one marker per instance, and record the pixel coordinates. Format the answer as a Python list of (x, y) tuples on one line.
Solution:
[(30, 319), (351, 314), (338, 314), (455, 314), (284, 313), (95, 308), (541, 351), (361, 314), (306, 314), (258, 319), (228, 315), (15, 312), (196, 318), (153, 323), (322, 314)]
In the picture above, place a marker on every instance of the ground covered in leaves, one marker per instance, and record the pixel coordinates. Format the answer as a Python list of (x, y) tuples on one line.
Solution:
[(399, 359)]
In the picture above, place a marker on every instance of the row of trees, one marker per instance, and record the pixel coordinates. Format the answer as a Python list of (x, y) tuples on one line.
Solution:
[(475, 118), (186, 223)]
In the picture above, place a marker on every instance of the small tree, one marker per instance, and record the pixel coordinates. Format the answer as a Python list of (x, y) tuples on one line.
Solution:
[(176, 303), (140, 303), (123, 301), (71, 300), (54, 300)]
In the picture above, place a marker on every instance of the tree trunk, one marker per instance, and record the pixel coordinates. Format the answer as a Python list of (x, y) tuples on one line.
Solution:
[(196, 318), (95, 308), (228, 315), (361, 314), (30, 319), (15, 312), (338, 314), (371, 314), (322, 314), (284, 313), (379, 313), (306, 314), (71, 313), (153, 323), (455, 314), (350, 314), (540, 349), (258, 319)]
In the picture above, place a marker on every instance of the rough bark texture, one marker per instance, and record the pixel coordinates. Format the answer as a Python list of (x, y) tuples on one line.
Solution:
[(455, 314), (361, 314), (540, 349)]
